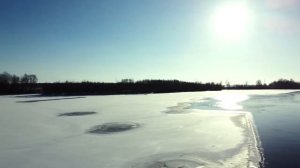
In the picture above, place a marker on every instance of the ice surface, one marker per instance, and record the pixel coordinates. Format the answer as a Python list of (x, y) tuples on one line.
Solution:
[(32, 135)]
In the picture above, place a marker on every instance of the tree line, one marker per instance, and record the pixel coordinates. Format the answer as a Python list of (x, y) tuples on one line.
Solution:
[(127, 87), (279, 84), (28, 84)]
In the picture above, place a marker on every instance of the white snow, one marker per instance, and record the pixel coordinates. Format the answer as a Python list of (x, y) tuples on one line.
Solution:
[(33, 135)]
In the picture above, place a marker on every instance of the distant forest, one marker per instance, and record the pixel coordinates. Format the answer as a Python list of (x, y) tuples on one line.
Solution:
[(28, 84)]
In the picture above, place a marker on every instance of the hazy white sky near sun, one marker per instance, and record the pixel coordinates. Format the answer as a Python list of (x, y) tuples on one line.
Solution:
[(193, 40)]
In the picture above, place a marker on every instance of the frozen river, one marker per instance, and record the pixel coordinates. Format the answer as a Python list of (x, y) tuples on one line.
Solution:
[(178, 130)]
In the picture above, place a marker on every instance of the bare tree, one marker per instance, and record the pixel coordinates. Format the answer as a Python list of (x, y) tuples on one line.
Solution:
[(29, 78), (15, 79), (32, 78), (24, 79), (127, 81), (258, 83), (5, 78)]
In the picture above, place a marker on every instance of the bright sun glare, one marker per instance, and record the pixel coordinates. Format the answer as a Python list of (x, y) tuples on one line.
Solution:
[(231, 21)]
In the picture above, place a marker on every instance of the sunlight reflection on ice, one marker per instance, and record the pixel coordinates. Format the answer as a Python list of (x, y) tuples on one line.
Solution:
[(231, 101)]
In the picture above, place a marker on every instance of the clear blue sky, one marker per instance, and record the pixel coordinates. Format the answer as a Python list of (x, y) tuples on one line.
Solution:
[(108, 40)]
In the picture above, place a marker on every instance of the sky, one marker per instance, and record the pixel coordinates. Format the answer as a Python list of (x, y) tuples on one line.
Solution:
[(192, 40)]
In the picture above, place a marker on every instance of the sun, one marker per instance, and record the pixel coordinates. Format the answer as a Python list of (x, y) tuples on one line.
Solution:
[(231, 21)]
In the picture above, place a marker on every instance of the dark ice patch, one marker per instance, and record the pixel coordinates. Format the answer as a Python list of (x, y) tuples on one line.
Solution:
[(78, 113), (42, 100), (28, 96), (113, 127)]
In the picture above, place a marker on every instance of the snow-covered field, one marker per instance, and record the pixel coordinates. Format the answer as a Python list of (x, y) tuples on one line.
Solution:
[(127, 131)]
